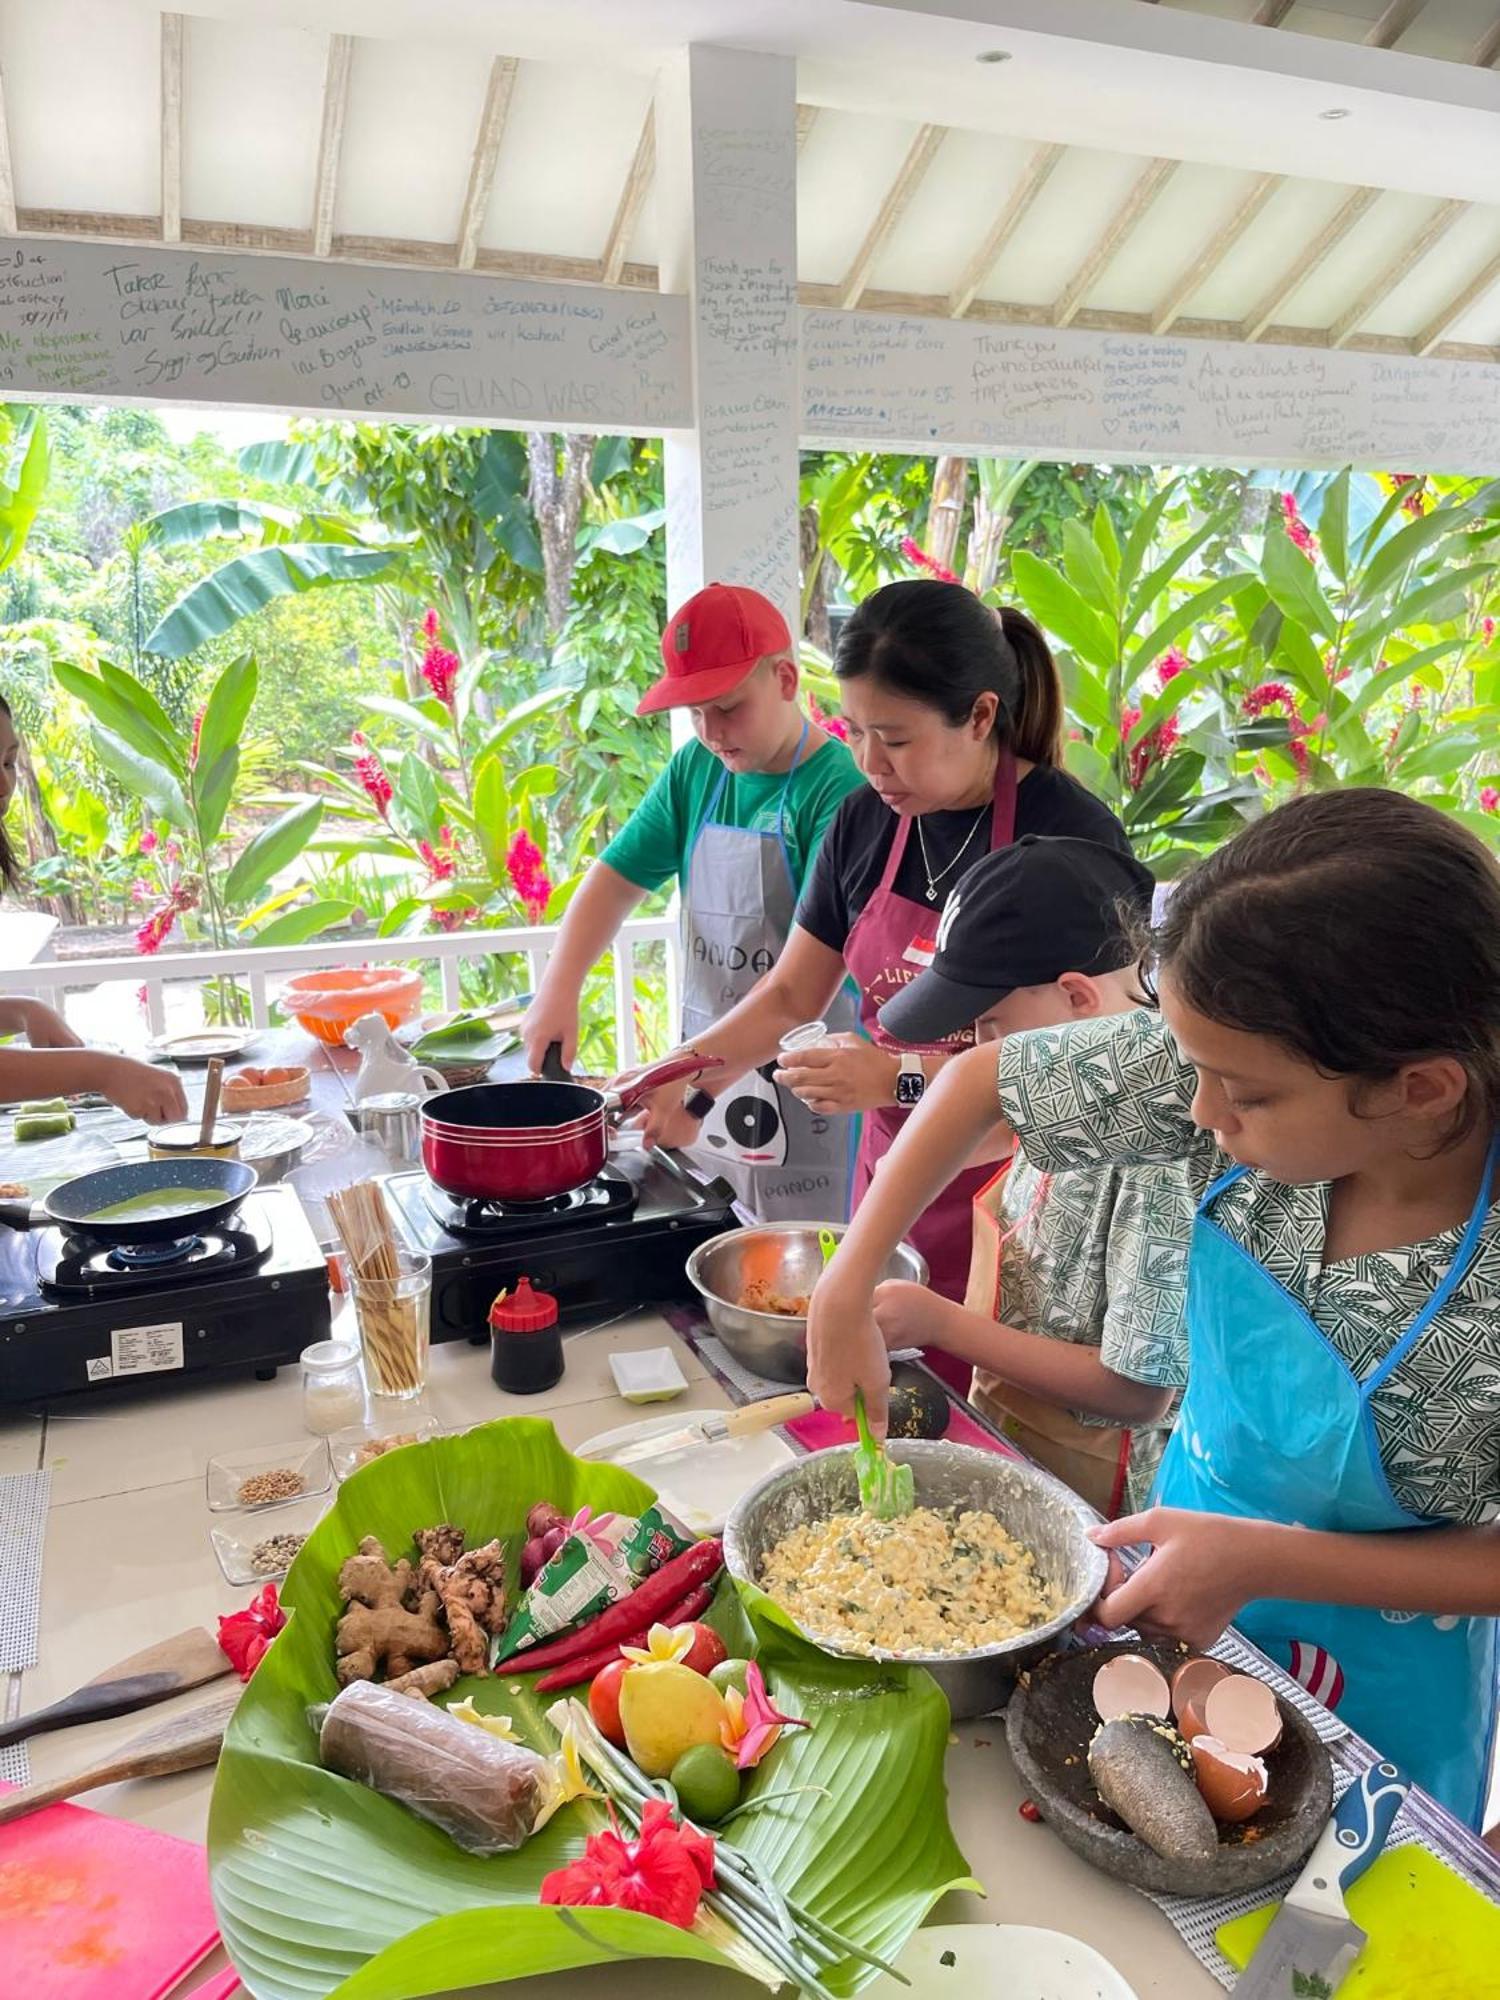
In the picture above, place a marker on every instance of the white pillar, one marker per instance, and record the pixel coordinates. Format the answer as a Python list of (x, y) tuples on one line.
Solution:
[(727, 205)]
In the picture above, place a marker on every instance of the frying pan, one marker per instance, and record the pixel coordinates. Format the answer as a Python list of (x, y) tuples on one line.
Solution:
[(531, 1141), (74, 1204)]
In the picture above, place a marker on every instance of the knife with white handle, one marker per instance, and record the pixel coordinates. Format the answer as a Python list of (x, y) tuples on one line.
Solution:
[(745, 1422), (1314, 1940)]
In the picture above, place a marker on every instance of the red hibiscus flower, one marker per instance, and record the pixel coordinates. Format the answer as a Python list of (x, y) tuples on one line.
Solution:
[(662, 1873), (245, 1635)]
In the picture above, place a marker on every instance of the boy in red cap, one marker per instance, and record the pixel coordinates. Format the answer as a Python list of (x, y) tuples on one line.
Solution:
[(736, 818)]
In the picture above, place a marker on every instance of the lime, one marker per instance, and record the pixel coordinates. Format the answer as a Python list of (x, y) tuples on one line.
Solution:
[(730, 1674), (706, 1783)]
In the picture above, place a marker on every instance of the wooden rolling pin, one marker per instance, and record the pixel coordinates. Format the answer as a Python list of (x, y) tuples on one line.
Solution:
[(183, 1744), (172, 1666)]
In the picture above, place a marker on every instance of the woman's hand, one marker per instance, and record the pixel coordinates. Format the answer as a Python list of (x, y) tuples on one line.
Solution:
[(909, 1315), (845, 1351), (142, 1089), (662, 1119), (1203, 1570), (844, 1074), (45, 1028), (548, 1020)]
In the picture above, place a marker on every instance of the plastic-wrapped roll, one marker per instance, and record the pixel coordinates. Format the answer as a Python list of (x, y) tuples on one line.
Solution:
[(484, 1793)]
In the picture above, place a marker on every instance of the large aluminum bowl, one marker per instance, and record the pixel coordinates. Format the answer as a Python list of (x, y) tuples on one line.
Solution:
[(788, 1257), (1048, 1517)]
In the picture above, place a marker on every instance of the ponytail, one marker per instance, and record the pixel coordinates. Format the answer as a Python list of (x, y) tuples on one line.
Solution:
[(937, 644)]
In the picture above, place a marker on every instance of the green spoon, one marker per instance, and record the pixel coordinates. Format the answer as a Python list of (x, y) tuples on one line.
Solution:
[(886, 1490)]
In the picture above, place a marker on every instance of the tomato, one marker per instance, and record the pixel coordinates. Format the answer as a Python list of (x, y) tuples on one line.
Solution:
[(706, 1650), (604, 1701)]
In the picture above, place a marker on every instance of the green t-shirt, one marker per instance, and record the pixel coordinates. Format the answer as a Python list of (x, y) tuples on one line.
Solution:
[(655, 842)]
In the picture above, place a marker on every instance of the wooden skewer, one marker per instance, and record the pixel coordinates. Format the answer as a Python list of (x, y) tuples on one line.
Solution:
[(389, 1325)]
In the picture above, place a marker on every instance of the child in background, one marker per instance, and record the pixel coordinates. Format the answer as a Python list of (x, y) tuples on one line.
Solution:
[(1327, 1063), (1073, 1317)]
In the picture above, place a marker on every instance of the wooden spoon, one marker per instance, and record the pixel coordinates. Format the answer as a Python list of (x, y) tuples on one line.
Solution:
[(211, 1090), (172, 1666), (182, 1744)]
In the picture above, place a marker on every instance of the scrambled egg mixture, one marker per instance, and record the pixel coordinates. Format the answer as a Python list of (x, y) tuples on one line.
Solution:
[(927, 1583)]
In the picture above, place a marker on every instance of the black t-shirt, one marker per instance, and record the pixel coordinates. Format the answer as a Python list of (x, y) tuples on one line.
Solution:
[(853, 855)]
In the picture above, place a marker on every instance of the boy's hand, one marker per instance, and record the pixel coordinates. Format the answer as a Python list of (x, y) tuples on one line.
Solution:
[(142, 1089), (909, 1315), (845, 1351), (1202, 1571), (45, 1028), (845, 1074), (546, 1021)]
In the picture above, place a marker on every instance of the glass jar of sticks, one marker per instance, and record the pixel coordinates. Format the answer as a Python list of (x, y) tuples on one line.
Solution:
[(392, 1291)]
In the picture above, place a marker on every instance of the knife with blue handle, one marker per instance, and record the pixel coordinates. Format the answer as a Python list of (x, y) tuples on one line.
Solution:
[(1314, 1941)]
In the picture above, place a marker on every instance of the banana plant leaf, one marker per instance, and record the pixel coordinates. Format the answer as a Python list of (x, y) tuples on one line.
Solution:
[(323, 1887)]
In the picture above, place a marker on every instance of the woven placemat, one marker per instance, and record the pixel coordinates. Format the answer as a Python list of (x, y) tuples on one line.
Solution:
[(23, 1524)]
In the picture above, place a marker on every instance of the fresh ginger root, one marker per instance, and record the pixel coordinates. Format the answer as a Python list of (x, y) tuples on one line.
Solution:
[(424, 1682), (471, 1588), (389, 1618), (442, 1545)]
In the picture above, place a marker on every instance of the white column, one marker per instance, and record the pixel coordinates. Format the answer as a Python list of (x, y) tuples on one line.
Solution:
[(727, 206)]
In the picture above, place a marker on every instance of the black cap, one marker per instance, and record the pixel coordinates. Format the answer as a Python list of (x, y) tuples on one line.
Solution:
[(1021, 916)]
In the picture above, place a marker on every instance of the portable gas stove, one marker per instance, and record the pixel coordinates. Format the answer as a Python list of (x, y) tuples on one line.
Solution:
[(619, 1241), (248, 1295)]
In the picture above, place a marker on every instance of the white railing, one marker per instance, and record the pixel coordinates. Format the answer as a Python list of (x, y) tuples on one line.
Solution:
[(255, 967)]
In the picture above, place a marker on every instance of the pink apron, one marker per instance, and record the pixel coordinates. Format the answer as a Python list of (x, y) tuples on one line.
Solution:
[(892, 941)]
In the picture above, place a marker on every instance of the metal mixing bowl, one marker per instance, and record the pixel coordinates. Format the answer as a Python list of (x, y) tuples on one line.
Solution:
[(1043, 1514), (787, 1256)]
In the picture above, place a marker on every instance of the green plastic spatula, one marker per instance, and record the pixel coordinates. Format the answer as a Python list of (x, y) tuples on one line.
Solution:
[(885, 1490)]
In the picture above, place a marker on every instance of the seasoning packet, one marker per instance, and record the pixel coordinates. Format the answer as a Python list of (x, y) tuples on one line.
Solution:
[(601, 1561)]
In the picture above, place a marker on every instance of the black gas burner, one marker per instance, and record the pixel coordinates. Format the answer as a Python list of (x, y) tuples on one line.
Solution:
[(610, 1194), (72, 1267)]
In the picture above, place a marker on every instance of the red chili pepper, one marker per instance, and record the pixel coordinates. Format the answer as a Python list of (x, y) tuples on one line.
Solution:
[(1029, 1809), (584, 1668), (635, 1613)]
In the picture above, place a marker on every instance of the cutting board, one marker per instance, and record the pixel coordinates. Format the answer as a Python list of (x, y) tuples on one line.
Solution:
[(93, 1908), (825, 1427), (1432, 1936)]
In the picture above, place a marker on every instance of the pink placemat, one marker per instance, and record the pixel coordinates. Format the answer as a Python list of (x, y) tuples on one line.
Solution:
[(823, 1428)]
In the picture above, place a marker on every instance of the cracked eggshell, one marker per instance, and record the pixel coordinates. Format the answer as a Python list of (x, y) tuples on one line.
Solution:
[(1130, 1685), (1232, 1784), (1190, 1686), (1243, 1714)]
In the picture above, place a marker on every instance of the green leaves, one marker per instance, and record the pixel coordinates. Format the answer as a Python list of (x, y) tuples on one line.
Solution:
[(1059, 607), (307, 920), (224, 718), (23, 478), (491, 815), (416, 804), (322, 1886), (143, 777), (1293, 584), (249, 582), (275, 847)]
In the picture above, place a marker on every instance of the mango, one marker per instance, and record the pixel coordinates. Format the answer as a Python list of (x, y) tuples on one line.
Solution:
[(666, 1709)]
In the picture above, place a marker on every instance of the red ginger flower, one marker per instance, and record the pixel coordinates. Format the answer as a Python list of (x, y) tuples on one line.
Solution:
[(439, 666), (1298, 532), (148, 842), (197, 733), (662, 1873), (1489, 799), (919, 558), (1153, 748), (441, 860), (1171, 664), (454, 920), (1276, 694), (371, 774), (528, 875), (1486, 629), (430, 623), (831, 725), (245, 1635), (152, 934)]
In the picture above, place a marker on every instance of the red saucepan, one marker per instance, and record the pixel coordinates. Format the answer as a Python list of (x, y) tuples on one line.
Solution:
[(531, 1141)]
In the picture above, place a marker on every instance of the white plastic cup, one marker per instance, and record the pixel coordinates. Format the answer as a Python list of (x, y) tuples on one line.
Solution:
[(807, 1036)]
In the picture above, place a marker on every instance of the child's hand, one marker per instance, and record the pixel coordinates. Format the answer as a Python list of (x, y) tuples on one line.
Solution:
[(845, 1074), (1200, 1574), (845, 1351), (45, 1028), (142, 1089), (909, 1315)]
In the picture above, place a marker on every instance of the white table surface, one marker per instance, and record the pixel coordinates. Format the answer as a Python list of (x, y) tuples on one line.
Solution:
[(128, 1562)]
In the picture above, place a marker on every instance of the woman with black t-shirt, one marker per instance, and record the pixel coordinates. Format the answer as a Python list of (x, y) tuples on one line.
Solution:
[(955, 717)]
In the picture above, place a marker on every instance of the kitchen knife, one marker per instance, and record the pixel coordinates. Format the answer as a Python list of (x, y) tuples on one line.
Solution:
[(1314, 1941), (714, 1429)]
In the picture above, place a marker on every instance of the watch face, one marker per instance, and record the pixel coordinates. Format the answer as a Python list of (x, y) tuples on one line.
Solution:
[(909, 1087)]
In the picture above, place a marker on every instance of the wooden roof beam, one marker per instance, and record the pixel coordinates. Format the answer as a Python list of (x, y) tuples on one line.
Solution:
[(1323, 244), (912, 173), (1485, 50), (1147, 186), (173, 28), (1034, 178), (1433, 230), (1215, 251), (632, 200), (492, 121), (331, 140), (1393, 23), (1271, 13), (1450, 314)]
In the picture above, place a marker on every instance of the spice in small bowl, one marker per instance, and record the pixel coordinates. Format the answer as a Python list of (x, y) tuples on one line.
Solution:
[(268, 1475), (280, 1483), (257, 1545), (361, 1444), (276, 1554)]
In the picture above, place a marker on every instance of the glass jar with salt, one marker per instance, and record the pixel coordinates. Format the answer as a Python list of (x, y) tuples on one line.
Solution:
[(333, 1390)]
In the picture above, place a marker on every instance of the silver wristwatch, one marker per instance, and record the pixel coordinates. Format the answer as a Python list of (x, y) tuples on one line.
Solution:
[(911, 1080)]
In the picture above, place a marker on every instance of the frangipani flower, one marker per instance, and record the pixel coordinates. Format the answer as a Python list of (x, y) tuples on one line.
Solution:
[(754, 1724), (665, 1646), (569, 1781), (497, 1725)]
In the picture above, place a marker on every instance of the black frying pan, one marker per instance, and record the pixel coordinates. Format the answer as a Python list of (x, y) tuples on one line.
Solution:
[(74, 1204)]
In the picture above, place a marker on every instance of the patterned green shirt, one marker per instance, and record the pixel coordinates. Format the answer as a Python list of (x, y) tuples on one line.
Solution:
[(1116, 1092), (1100, 1258)]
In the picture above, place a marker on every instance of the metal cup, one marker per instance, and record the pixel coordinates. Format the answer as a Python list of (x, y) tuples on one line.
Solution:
[(392, 1120)]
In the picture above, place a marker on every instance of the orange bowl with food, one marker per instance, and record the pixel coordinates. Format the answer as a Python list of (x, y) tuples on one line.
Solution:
[(327, 1003)]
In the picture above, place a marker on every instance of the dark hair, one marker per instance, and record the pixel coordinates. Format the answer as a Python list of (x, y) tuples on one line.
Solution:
[(936, 643), (10, 867), (1360, 928)]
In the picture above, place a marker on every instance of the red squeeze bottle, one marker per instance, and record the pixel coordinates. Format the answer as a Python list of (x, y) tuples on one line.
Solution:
[(526, 1353)]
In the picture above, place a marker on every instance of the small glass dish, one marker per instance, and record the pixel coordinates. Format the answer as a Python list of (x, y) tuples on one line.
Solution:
[(384, 1430), (263, 1469), (249, 1543)]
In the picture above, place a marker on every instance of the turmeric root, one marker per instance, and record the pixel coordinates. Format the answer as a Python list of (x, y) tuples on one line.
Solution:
[(389, 1619), (472, 1592), (443, 1544), (424, 1682)]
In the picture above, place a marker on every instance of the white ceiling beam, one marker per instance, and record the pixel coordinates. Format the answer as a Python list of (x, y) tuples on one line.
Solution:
[(632, 200), (1323, 244), (1485, 50), (1147, 186), (1213, 253), (1034, 178), (173, 29), (912, 172), (1393, 23), (486, 158), (1450, 314), (331, 140), (807, 117), (1433, 230)]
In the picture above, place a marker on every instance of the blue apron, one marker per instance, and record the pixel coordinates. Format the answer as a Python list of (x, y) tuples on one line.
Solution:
[(1275, 1427)]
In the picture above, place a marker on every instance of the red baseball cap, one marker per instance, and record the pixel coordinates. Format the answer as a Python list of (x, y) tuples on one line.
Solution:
[(711, 643)]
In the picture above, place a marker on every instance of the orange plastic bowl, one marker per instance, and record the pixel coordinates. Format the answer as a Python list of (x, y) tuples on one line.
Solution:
[(326, 1003)]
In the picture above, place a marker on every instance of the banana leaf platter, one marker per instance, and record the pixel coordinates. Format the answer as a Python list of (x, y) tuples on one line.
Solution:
[(323, 1887)]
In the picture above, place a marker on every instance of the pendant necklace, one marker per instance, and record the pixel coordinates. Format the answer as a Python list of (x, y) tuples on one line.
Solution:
[(933, 880)]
